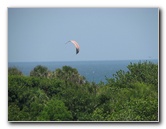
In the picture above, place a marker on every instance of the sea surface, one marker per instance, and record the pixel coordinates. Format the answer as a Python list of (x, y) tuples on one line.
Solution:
[(93, 71)]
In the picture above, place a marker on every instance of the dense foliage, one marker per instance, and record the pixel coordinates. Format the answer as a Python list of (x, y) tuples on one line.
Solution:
[(65, 95)]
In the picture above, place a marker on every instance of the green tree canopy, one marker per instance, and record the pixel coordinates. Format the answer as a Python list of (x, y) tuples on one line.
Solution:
[(40, 71), (55, 110), (65, 95), (14, 71), (70, 74)]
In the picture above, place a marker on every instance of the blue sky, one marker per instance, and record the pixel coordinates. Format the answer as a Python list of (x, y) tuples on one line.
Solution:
[(40, 34)]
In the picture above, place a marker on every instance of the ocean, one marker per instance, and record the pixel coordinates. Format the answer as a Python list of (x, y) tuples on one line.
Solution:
[(93, 71)]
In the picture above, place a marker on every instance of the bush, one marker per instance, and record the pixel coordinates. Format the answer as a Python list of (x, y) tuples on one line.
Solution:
[(14, 71)]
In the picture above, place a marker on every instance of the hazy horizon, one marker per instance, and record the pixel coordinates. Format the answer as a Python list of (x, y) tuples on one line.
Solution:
[(82, 60)]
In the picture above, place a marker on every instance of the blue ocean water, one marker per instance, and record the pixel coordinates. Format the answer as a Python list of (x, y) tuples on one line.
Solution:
[(92, 70)]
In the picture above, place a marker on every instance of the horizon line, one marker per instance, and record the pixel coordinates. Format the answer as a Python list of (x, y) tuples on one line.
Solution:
[(82, 60)]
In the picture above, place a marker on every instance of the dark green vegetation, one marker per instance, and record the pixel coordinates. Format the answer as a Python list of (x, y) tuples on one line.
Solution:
[(65, 95)]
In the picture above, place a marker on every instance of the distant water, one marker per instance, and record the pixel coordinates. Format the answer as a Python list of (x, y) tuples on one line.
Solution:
[(92, 70)]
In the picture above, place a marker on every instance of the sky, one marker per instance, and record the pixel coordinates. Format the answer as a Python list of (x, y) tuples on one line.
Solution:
[(40, 34)]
